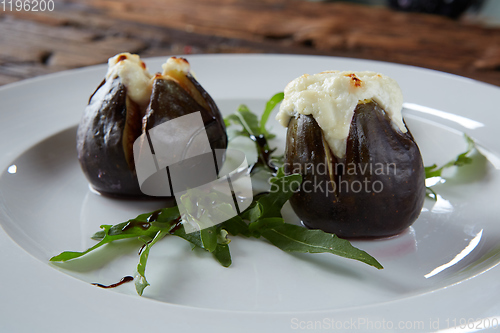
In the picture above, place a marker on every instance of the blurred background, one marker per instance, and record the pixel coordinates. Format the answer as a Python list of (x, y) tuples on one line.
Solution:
[(455, 36)]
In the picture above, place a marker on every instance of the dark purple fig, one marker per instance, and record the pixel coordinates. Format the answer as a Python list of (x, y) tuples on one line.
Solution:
[(177, 93), (376, 190), (127, 104)]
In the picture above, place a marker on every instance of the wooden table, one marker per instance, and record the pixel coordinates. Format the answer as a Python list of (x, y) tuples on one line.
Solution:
[(87, 32)]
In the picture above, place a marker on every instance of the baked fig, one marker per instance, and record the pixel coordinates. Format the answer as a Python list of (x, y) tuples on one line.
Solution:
[(362, 171), (129, 102), (176, 93)]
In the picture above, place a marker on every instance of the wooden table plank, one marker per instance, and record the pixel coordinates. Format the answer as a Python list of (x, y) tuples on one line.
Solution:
[(85, 32)]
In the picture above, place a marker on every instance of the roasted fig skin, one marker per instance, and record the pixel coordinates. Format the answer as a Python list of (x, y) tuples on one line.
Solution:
[(376, 190), (170, 100), (106, 133)]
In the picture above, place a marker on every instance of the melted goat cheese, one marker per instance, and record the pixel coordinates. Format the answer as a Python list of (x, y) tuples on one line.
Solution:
[(133, 74), (176, 64), (331, 97)]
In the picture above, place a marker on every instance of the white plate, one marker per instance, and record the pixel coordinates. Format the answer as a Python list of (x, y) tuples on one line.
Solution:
[(439, 273)]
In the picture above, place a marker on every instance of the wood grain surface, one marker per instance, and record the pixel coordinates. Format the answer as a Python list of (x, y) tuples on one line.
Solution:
[(87, 32)]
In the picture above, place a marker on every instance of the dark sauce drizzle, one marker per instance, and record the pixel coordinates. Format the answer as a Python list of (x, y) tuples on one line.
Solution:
[(114, 285), (264, 153), (131, 224), (177, 225)]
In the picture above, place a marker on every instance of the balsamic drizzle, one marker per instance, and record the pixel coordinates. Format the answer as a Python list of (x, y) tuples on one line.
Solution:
[(114, 285), (264, 153)]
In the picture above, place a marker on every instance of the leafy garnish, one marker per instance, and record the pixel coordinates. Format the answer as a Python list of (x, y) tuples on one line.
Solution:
[(262, 218), (461, 160), (294, 238), (433, 171), (140, 276), (235, 226), (106, 238), (270, 105), (255, 130), (266, 221)]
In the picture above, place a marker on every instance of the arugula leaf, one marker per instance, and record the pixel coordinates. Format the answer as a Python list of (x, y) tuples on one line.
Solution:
[(430, 193), (209, 239), (231, 119), (235, 226), (193, 237), (253, 212), (433, 171), (248, 120), (256, 131), (282, 188), (140, 277), (294, 238), (201, 208), (266, 212), (219, 249), (221, 252), (269, 205), (205, 239), (266, 221), (68, 255), (270, 105), (461, 160), (252, 126), (222, 255), (134, 228), (147, 224)]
